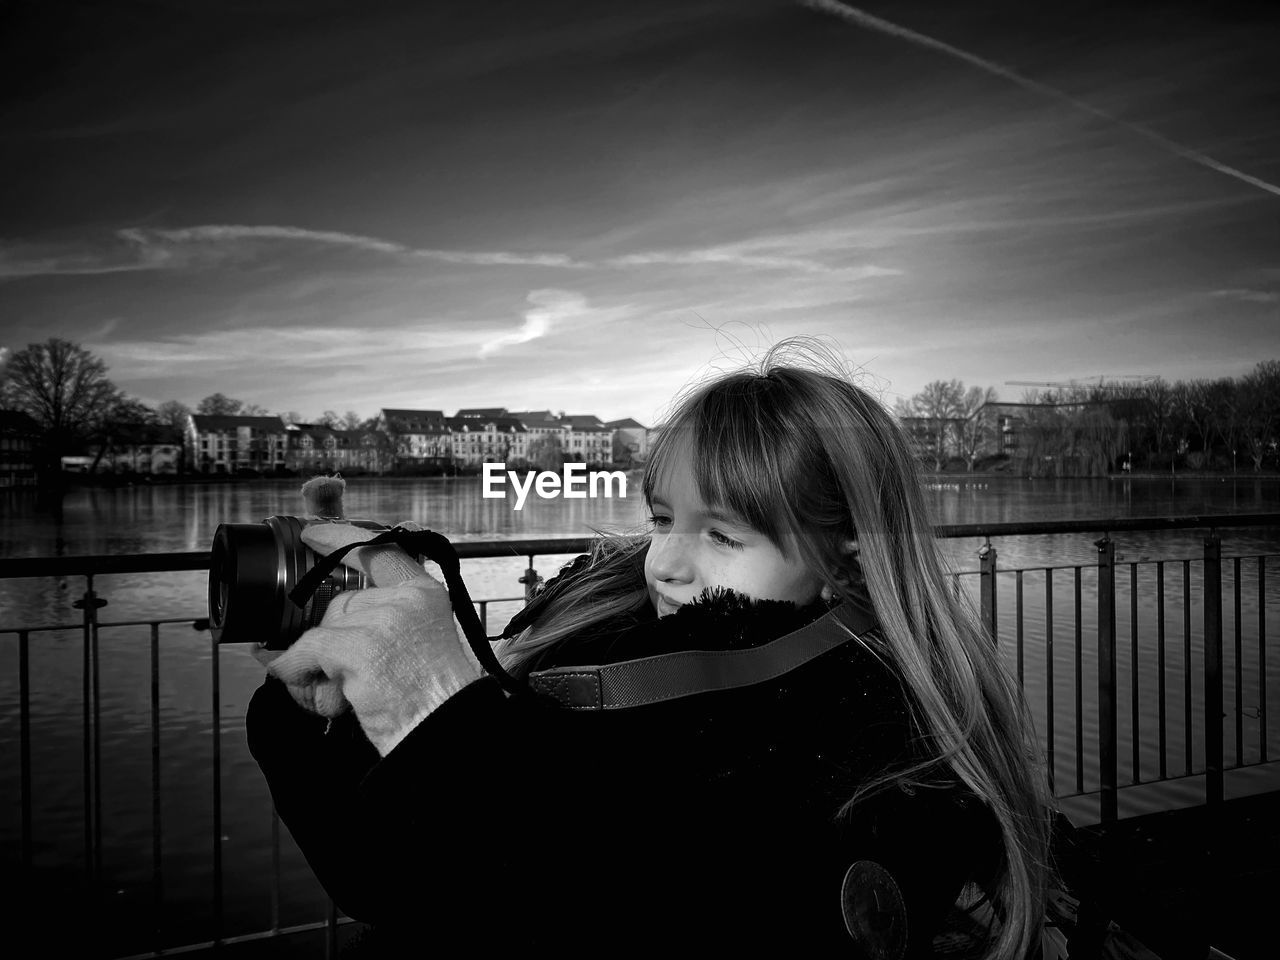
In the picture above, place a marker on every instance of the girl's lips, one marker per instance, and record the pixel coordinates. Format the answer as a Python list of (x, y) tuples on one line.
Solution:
[(666, 607)]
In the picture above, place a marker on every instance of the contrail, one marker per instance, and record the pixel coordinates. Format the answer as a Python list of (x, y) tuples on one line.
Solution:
[(861, 18)]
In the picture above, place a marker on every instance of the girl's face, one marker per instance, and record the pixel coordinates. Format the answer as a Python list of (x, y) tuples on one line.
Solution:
[(693, 547)]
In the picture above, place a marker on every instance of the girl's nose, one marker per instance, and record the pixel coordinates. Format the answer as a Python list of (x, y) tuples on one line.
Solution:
[(672, 557)]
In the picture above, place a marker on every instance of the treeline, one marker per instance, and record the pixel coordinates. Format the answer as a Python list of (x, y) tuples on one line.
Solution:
[(79, 411), (1081, 430), (1157, 425), (218, 404), (1093, 429), (946, 420)]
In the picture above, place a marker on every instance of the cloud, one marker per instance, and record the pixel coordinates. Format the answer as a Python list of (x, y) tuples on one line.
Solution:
[(232, 233), (240, 233), (740, 254), (863, 19), (1247, 295), (21, 260), (724, 255), (502, 259), (792, 253), (291, 351), (548, 307), (143, 248), (409, 346)]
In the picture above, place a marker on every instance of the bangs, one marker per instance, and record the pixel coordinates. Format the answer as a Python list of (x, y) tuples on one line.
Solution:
[(740, 456)]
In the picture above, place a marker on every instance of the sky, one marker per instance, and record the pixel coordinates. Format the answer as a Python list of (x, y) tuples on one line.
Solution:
[(311, 205)]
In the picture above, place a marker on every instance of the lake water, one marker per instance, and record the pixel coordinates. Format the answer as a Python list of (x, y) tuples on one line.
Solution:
[(159, 519)]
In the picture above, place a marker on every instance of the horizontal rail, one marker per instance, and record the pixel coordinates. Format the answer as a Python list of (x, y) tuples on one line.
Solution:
[(80, 566), (1053, 568), (954, 531), (19, 567), (259, 935)]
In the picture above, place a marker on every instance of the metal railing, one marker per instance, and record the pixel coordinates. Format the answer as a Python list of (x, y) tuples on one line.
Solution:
[(989, 576), (1108, 570)]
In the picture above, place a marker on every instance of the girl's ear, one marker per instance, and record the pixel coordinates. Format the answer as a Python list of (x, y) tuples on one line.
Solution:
[(843, 578)]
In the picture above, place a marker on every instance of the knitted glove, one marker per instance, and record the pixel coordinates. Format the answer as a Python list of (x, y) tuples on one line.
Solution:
[(314, 691), (392, 651)]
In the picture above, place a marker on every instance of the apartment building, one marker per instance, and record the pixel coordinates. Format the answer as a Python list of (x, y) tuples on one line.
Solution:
[(491, 437), (146, 449), (315, 448), (19, 435), (587, 440), (416, 438), (222, 444), (630, 441)]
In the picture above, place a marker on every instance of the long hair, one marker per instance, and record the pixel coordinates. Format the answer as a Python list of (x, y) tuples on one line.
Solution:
[(803, 451)]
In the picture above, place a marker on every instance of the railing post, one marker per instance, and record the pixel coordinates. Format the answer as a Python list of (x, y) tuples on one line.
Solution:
[(24, 721), (89, 604), (987, 588), (157, 837), (1262, 659), (1213, 668), (1107, 676), (531, 581), (216, 724)]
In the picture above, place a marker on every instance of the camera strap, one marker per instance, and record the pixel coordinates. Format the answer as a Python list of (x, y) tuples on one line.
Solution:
[(634, 683), (614, 686), (437, 548)]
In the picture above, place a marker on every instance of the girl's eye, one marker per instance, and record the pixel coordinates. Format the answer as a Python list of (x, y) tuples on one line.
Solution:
[(658, 520), (720, 538)]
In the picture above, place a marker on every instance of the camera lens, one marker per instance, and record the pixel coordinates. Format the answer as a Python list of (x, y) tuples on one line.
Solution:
[(253, 568)]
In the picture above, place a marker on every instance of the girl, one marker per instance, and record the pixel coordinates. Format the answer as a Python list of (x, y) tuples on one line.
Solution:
[(847, 801)]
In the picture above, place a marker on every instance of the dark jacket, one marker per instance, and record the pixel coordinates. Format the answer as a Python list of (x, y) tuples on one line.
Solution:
[(710, 821)]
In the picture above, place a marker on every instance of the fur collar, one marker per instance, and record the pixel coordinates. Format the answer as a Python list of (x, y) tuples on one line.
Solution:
[(718, 619)]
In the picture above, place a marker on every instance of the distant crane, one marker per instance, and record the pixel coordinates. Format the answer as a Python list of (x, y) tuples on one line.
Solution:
[(1100, 380)]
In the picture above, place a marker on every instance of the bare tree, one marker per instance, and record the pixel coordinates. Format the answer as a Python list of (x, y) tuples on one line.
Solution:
[(1195, 404), (65, 389), (939, 402), (254, 410), (329, 419), (1223, 400), (1097, 439), (977, 426), (175, 415), (1160, 414), (351, 421), (1260, 405), (120, 427), (1041, 441), (219, 405)]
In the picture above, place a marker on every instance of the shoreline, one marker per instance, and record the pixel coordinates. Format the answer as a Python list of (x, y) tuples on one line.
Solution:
[(79, 481), (930, 475)]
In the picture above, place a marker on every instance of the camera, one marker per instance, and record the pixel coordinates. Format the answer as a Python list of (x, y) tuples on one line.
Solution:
[(253, 568)]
